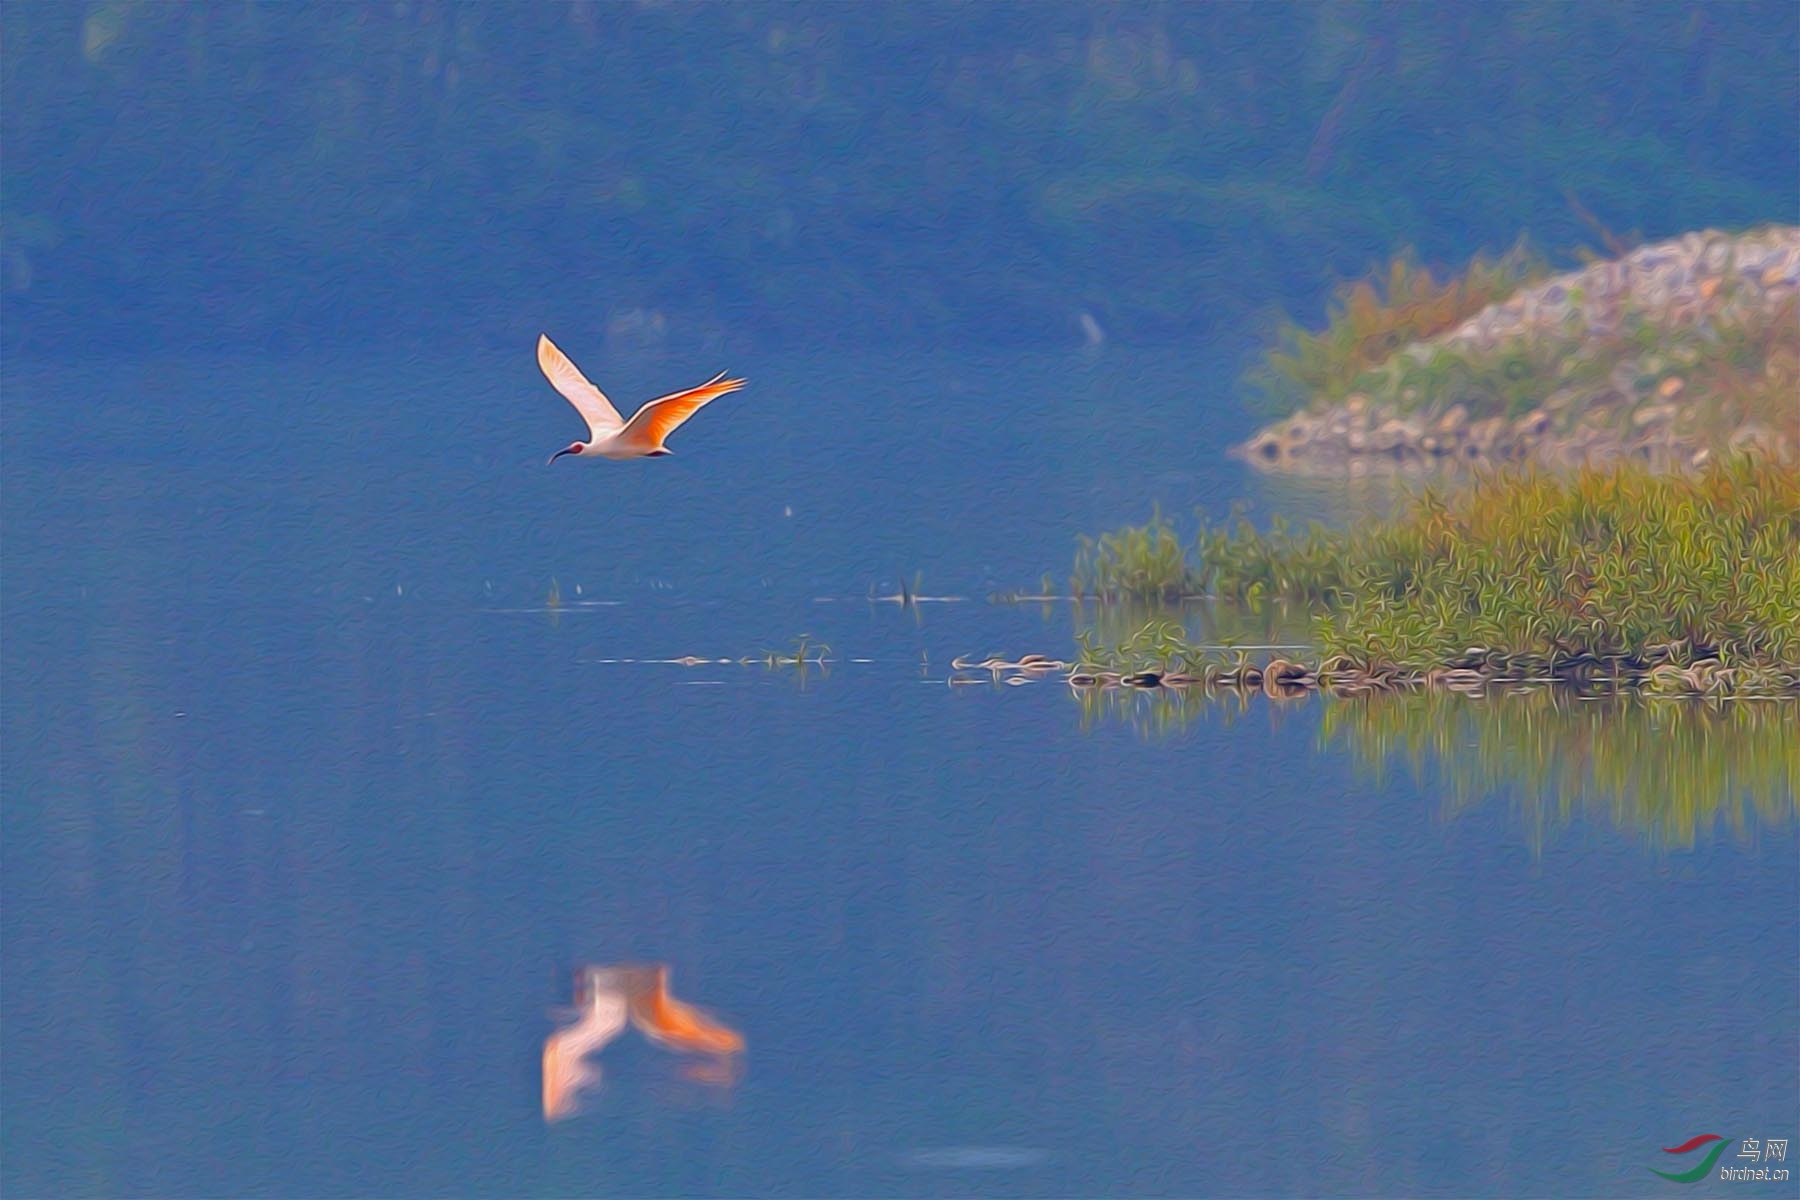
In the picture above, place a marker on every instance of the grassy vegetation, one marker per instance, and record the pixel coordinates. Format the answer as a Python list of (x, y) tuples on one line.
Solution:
[(1138, 562), (1371, 319), (1521, 574), (1234, 561)]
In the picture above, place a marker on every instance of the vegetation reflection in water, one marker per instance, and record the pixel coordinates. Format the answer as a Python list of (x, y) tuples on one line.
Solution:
[(1672, 770), (1161, 712)]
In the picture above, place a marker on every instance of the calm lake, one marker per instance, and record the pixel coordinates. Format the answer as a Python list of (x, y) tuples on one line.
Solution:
[(313, 805)]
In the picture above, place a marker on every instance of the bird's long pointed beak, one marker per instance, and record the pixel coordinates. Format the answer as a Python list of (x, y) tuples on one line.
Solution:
[(556, 456)]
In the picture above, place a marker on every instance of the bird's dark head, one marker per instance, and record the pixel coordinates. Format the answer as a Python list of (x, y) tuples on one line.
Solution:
[(574, 448)]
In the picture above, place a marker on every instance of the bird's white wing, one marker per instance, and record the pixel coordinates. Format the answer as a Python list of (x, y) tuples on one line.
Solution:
[(602, 418)]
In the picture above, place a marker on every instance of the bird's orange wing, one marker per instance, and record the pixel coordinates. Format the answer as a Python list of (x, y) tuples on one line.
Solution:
[(680, 1026), (662, 416)]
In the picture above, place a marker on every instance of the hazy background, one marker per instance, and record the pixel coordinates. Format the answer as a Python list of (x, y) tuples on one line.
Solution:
[(280, 176)]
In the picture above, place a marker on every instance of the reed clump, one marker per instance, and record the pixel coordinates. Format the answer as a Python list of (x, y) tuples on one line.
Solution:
[(1141, 562), (1604, 566), (1684, 582)]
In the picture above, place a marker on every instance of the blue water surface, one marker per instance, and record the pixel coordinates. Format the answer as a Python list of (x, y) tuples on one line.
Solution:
[(312, 805)]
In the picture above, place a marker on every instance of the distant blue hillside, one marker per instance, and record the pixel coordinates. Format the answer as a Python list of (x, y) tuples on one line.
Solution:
[(186, 176)]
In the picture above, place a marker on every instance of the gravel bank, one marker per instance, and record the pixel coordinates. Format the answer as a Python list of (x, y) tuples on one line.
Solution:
[(1676, 352)]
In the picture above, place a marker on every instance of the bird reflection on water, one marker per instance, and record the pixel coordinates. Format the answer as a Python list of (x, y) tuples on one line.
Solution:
[(605, 999)]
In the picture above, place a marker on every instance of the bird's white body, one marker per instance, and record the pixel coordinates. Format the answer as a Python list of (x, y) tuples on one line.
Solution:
[(613, 448), (609, 434)]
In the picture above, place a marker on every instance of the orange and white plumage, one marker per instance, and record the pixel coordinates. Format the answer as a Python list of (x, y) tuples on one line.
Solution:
[(609, 434)]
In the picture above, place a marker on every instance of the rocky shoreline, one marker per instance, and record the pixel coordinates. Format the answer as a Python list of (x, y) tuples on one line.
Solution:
[(1636, 358)]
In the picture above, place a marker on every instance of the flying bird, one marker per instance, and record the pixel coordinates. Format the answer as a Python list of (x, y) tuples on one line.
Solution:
[(610, 435)]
